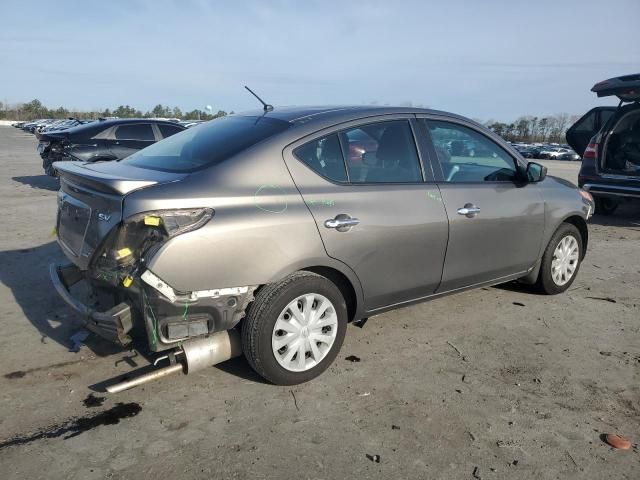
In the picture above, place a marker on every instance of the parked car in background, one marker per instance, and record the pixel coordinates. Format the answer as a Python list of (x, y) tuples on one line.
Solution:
[(609, 140), (62, 125), (551, 152), (190, 123), (271, 223), (32, 125), (466, 148), (570, 155), (563, 154), (102, 140), (525, 150)]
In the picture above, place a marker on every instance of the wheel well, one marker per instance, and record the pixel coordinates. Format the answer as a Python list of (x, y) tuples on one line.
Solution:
[(581, 225), (343, 284)]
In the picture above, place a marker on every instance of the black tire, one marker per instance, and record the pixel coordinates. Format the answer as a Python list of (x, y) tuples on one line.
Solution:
[(606, 205), (545, 282), (48, 168), (258, 325)]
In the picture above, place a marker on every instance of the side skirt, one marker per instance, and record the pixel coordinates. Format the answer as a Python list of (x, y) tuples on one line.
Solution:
[(489, 283)]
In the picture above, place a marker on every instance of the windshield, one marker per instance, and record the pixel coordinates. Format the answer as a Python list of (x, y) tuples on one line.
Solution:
[(207, 144)]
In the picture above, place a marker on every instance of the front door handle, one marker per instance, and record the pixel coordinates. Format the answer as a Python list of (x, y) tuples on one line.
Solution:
[(469, 210), (341, 222)]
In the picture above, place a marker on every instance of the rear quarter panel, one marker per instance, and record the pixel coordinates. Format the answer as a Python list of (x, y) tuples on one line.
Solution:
[(261, 230)]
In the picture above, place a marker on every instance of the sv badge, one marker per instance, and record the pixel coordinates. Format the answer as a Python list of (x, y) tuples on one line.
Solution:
[(104, 217)]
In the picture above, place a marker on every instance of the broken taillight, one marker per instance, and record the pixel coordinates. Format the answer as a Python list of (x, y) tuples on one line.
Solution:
[(174, 222)]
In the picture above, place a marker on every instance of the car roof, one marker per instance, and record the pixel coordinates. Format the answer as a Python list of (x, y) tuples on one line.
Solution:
[(340, 113)]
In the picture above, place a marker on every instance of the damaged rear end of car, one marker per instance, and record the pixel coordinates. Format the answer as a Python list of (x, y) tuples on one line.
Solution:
[(52, 147), (138, 234), (121, 298)]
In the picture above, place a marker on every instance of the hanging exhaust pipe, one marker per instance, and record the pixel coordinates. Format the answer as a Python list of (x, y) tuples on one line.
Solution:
[(195, 355)]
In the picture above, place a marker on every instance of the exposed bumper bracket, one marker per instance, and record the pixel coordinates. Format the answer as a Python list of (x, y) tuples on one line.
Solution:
[(113, 325)]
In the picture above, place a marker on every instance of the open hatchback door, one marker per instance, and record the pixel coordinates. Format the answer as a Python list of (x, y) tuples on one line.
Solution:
[(626, 88)]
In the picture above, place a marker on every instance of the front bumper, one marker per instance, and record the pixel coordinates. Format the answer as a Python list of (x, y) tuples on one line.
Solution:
[(113, 325)]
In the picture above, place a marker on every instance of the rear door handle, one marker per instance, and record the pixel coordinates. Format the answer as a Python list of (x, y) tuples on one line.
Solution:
[(342, 222), (469, 210)]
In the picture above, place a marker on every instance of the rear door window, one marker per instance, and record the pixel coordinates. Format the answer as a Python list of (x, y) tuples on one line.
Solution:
[(168, 130), (586, 123), (580, 133), (138, 131), (383, 152), (324, 156)]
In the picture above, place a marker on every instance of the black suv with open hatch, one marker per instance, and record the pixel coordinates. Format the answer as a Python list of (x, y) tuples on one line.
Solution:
[(609, 140)]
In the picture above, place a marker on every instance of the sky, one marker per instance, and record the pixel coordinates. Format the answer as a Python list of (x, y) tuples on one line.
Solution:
[(487, 59)]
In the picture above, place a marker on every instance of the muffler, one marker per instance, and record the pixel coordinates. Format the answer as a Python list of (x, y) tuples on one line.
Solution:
[(192, 356)]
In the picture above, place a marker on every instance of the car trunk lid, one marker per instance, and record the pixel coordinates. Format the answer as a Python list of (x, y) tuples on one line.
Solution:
[(90, 203), (51, 136)]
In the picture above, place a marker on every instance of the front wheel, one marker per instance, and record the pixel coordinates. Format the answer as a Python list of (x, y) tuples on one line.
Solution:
[(294, 328), (561, 260)]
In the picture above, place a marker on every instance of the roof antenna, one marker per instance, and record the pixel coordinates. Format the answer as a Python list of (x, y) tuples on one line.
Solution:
[(267, 107)]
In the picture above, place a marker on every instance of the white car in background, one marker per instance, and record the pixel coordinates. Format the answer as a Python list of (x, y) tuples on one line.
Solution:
[(555, 153)]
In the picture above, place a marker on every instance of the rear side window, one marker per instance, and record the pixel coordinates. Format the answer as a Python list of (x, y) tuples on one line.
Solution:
[(209, 144), (586, 123), (141, 131), (324, 156), (168, 130), (383, 152)]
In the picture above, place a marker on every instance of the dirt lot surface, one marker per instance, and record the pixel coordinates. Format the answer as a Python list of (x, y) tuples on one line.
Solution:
[(494, 383)]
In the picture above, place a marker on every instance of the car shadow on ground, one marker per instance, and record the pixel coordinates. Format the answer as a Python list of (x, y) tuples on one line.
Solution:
[(41, 182), (26, 273), (239, 367), (519, 287)]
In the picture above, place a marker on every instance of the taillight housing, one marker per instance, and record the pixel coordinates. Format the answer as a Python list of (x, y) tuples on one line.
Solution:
[(173, 222), (591, 152)]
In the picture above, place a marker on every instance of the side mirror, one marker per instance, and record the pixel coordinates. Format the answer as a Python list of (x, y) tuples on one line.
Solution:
[(536, 172)]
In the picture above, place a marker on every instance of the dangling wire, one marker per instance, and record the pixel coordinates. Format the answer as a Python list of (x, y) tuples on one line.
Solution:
[(154, 329)]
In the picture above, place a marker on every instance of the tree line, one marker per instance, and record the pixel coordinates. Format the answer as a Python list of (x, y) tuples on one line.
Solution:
[(35, 110), (529, 129)]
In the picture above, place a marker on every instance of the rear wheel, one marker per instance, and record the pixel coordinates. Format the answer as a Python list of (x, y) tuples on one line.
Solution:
[(294, 328), (606, 205), (561, 260)]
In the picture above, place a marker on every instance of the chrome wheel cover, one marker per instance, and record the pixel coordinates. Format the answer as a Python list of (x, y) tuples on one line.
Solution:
[(565, 260), (304, 332)]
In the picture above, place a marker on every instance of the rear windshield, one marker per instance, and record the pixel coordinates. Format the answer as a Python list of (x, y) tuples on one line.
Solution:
[(207, 144)]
